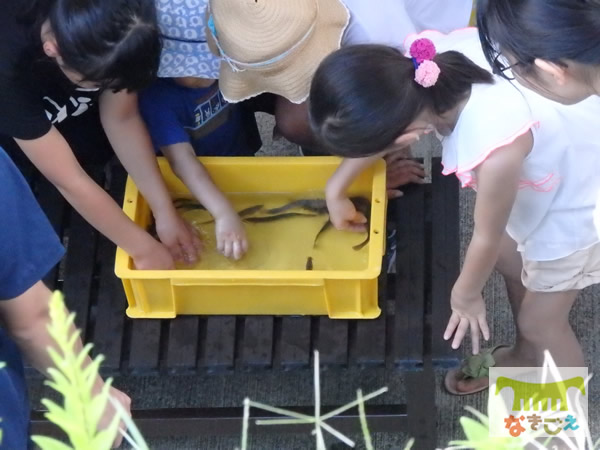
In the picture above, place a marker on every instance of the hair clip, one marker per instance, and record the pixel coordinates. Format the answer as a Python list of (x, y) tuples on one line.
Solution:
[(427, 72)]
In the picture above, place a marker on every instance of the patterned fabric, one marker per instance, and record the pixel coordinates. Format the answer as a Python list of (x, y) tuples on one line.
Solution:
[(185, 51)]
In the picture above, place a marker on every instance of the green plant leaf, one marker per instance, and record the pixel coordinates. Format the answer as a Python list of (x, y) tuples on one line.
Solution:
[(47, 443), (104, 439), (97, 406), (474, 431), (409, 444)]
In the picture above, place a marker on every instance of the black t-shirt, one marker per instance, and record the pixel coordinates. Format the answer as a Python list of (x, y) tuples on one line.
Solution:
[(34, 93)]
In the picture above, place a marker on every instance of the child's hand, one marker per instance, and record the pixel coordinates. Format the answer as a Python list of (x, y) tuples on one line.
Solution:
[(110, 412), (155, 256), (344, 216), (231, 236), (179, 236), (401, 171), (468, 311)]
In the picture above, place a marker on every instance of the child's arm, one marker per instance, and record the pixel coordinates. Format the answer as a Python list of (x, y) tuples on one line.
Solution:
[(129, 137), (52, 155), (497, 185), (231, 236), (399, 171), (26, 319), (342, 213)]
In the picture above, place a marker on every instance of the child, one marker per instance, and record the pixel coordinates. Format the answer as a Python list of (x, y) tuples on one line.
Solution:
[(535, 175), (57, 59), (29, 249), (188, 117), (563, 65), (284, 63)]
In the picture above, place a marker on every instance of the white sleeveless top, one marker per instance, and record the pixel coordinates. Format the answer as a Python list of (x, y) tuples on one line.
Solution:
[(553, 214)]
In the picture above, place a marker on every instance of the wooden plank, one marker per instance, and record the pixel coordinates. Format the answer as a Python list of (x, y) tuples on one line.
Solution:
[(219, 343), (80, 262), (333, 342), (445, 260), (295, 342), (182, 348), (55, 206), (257, 346), (410, 278), (144, 347), (109, 311)]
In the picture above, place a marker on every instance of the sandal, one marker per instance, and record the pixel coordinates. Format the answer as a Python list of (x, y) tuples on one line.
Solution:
[(473, 367)]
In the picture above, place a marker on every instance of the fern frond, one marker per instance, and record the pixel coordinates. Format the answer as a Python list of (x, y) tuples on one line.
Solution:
[(81, 411)]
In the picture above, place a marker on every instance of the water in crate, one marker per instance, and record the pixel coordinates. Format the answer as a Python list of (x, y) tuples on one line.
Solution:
[(285, 232)]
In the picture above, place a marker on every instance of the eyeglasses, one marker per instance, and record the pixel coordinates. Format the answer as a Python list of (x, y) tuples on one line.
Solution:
[(501, 66)]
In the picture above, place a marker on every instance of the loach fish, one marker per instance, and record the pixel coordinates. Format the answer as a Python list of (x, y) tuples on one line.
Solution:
[(315, 205), (186, 204), (309, 263), (277, 217), (362, 205)]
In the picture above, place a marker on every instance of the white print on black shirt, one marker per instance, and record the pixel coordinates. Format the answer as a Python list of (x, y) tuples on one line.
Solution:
[(75, 106)]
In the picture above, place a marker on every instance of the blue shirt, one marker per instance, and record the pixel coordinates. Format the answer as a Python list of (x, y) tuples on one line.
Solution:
[(201, 116), (29, 248)]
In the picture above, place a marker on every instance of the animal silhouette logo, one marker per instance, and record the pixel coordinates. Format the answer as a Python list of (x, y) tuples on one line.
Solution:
[(540, 394)]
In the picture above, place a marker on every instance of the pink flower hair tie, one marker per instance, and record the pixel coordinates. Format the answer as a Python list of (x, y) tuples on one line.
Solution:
[(427, 71)]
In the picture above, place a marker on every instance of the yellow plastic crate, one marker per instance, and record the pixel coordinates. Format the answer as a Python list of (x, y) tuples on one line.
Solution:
[(339, 294)]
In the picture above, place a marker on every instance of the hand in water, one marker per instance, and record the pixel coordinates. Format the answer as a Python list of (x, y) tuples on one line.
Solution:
[(179, 236), (344, 216), (231, 236), (154, 256), (468, 312)]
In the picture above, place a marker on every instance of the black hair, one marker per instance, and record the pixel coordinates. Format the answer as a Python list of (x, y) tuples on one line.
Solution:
[(114, 43), (363, 97), (553, 30)]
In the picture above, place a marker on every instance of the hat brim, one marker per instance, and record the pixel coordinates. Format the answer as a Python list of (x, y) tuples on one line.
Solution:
[(290, 77)]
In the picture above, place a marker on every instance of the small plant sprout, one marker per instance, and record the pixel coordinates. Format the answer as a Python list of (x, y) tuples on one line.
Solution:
[(318, 420)]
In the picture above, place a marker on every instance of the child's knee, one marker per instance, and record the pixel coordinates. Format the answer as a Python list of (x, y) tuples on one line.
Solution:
[(540, 330)]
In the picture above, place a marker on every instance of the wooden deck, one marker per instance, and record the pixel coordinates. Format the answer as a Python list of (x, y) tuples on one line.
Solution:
[(413, 301)]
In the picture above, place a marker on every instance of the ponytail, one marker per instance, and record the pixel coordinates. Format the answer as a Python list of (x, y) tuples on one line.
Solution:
[(457, 74), (363, 97)]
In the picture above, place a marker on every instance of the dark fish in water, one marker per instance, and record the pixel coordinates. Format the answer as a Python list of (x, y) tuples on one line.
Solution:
[(363, 206), (277, 217), (251, 210), (187, 204), (325, 227), (315, 205), (309, 263), (243, 213)]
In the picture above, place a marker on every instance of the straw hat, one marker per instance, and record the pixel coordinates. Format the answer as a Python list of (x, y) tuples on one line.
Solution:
[(273, 45)]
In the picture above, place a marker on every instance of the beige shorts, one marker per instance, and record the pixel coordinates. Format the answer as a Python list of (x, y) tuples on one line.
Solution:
[(576, 271)]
